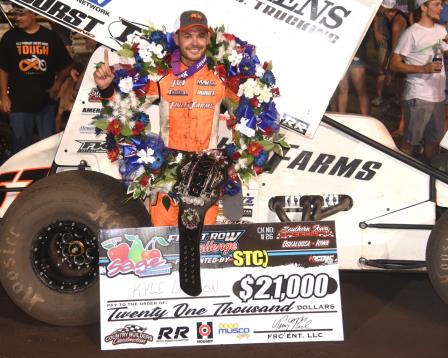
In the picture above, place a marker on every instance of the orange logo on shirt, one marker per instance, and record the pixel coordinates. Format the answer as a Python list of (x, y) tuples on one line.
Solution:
[(33, 63)]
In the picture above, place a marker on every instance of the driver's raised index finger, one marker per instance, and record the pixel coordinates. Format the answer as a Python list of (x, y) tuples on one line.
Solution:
[(106, 57), (106, 63)]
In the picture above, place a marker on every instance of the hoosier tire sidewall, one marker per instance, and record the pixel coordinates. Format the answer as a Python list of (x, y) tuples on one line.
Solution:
[(437, 257), (100, 204)]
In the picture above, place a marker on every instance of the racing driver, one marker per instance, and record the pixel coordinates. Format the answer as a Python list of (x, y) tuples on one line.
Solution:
[(190, 99)]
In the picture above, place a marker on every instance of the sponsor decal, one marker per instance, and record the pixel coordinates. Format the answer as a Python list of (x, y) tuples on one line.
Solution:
[(326, 164), (173, 334), (92, 110), (100, 3), (293, 231), (129, 334), (178, 83), (135, 258), (204, 332), (322, 259), (61, 12), (289, 122), (247, 213), (234, 328), (206, 83), (87, 129), (223, 242), (248, 201), (96, 5), (206, 93), (191, 105), (316, 17), (251, 258), (177, 93), (94, 96), (305, 244), (92, 146)]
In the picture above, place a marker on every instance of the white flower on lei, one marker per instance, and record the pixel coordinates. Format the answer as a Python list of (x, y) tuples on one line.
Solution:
[(235, 58), (263, 93), (220, 37), (259, 71), (221, 53), (145, 156), (157, 49), (241, 164), (126, 84), (146, 56), (248, 88), (244, 129)]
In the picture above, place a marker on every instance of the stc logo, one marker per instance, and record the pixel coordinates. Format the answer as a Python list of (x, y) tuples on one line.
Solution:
[(100, 3)]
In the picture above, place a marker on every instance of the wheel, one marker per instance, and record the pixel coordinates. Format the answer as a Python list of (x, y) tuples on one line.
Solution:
[(49, 246), (437, 257)]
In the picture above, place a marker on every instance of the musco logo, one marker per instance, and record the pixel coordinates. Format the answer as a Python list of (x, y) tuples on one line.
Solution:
[(70, 17), (329, 164), (92, 146)]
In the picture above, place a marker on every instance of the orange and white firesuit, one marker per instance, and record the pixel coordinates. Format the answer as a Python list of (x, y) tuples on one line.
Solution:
[(189, 115)]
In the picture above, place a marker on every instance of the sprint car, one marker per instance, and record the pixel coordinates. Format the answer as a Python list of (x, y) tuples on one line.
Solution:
[(56, 194)]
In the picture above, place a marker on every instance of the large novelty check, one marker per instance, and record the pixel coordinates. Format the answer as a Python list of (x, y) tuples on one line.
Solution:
[(261, 283)]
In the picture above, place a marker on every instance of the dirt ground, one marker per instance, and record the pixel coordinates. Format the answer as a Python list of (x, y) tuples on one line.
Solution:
[(385, 315)]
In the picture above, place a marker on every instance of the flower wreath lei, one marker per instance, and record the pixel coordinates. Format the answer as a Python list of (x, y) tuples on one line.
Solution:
[(145, 164)]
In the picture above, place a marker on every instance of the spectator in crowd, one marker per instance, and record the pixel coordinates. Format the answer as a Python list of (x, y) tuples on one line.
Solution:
[(424, 92), (381, 33), (397, 21), (33, 64), (407, 7), (357, 73), (72, 83), (444, 21)]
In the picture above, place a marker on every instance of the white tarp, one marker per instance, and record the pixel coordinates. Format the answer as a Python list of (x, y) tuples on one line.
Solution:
[(310, 42)]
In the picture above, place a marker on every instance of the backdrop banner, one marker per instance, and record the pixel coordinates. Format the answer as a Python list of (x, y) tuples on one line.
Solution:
[(310, 42)]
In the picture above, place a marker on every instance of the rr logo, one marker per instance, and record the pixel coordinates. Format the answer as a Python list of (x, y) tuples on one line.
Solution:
[(180, 333)]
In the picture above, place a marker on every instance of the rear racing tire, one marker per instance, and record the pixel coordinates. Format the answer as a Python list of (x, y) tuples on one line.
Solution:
[(437, 257), (49, 246)]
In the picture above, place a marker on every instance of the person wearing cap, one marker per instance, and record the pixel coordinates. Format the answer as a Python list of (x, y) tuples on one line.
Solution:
[(190, 99), (397, 21), (33, 65), (424, 91)]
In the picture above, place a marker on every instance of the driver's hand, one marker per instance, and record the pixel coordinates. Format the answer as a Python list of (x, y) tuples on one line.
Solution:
[(103, 75)]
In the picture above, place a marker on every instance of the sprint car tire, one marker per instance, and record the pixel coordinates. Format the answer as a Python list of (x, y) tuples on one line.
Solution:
[(48, 244), (437, 257)]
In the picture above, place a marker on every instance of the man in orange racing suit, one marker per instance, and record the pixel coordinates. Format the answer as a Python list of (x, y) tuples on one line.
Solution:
[(190, 99)]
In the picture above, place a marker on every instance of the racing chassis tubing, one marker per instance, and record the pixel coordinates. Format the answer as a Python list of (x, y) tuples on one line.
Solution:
[(432, 172)]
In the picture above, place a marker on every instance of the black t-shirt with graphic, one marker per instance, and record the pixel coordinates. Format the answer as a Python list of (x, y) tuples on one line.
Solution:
[(31, 61)]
